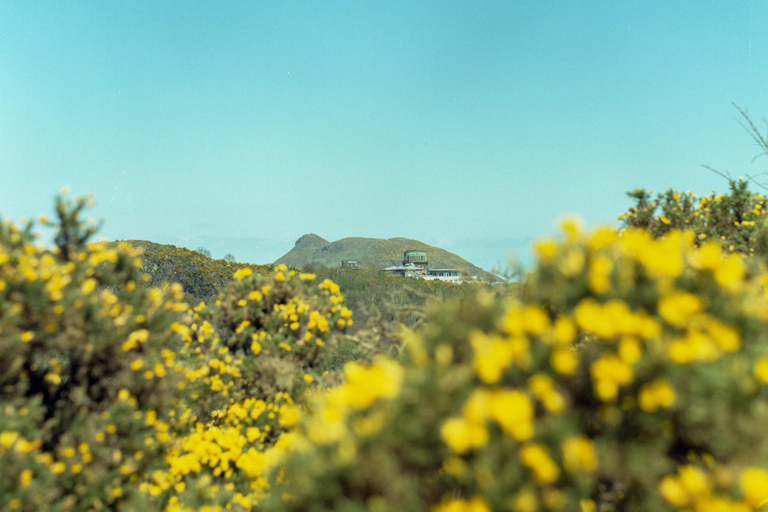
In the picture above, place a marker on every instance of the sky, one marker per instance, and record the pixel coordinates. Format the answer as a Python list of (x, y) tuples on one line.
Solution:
[(473, 126)]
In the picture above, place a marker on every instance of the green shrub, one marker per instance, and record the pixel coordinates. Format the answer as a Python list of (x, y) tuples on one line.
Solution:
[(734, 220)]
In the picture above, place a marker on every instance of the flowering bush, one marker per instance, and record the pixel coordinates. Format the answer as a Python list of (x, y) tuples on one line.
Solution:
[(632, 377), (629, 374), (85, 366), (249, 358), (119, 396), (734, 220)]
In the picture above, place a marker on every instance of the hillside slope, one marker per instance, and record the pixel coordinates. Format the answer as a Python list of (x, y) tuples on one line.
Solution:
[(201, 276), (313, 250)]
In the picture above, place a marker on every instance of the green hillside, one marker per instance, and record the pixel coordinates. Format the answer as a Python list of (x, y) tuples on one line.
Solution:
[(371, 252)]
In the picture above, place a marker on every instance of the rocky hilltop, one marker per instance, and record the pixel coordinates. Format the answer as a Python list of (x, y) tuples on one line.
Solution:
[(314, 250)]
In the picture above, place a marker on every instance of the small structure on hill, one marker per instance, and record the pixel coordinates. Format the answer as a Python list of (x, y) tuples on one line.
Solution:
[(416, 264), (349, 264), (417, 258)]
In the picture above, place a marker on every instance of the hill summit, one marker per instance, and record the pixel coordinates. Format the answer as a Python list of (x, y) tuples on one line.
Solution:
[(311, 249)]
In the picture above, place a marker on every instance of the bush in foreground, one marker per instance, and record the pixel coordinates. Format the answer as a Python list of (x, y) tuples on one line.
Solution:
[(86, 365), (633, 377)]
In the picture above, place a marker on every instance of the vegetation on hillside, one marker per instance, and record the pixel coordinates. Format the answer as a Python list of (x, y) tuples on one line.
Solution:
[(201, 277), (383, 305)]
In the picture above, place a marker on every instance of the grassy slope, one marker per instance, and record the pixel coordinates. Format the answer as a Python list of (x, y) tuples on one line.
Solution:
[(370, 252)]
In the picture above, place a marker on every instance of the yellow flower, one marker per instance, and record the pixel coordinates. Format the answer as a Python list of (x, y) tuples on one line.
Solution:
[(475, 504), (525, 501), (463, 435), (493, 354), (243, 272), (289, 415), (365, 385), (608, 374), (754, 485), (88, 286), (600, 274), (630, 349), (26, 477), (761, 370), (730, 272), (546, 249), (579, 455), (678, 307), (655, 395), (514, 413), (564, 360), (535, 456), (564, 331)]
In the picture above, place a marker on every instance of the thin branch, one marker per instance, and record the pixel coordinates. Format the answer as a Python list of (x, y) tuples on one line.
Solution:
[(752, 130), (752, 179), (726, 176)]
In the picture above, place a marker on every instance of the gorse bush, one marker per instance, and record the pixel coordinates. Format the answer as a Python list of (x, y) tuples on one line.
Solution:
[(248, 360), (629, 373), (661, 406), (85, 358), (734, 220), (119, 396)]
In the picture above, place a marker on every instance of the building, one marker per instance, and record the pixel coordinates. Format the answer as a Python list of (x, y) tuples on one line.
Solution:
[(416, 264), (444, 272), (405, 270), (349, 264), (416, 258)]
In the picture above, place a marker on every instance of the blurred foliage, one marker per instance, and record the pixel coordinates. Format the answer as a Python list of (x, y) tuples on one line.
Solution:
[(382, 305), (661, 408)]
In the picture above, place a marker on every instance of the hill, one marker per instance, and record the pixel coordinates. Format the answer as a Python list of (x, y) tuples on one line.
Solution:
[(202, 277), (312, 250)]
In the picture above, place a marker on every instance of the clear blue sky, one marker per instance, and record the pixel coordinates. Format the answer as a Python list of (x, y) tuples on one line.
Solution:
[(475, 126)]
